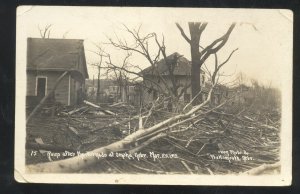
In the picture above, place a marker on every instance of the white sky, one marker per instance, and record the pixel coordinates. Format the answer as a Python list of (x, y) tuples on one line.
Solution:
[(264, 37)]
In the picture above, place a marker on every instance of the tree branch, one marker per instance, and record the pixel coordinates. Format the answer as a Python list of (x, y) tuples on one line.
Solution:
[(183, 33), (212, 48)]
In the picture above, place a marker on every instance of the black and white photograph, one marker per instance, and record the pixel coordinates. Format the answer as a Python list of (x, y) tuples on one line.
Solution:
[(148, 95)]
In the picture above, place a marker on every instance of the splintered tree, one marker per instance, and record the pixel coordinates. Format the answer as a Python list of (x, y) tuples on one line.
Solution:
[(200, 56)]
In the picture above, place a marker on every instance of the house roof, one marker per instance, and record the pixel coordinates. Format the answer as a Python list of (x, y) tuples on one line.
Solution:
[(56, 55), (183, 66)]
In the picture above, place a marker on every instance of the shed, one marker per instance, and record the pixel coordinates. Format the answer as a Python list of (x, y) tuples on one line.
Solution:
[(47, 60)]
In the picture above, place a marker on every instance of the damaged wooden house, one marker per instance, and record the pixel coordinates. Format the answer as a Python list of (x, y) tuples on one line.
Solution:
[(157, 79), (56, 63)]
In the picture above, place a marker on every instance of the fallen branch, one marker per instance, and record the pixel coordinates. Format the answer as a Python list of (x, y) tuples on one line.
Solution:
[(263, 168), (76, 110), (96, 106), (192, 101), (73, 130), (124, 121), (187, 167), (144, 144), (117, 104), (76, 163), (150, 111)]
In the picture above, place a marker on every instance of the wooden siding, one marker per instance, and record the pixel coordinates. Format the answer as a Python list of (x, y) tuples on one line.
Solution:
[(62, 90)]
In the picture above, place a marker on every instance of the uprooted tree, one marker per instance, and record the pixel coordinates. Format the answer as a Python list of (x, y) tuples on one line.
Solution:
[(198, 56)]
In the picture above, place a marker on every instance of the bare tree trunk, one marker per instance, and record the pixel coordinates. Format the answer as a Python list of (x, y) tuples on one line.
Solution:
[(199, 57), (195, 80), (195, 56)]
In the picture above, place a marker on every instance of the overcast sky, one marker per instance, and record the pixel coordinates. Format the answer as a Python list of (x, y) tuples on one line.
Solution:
[(263, 37)]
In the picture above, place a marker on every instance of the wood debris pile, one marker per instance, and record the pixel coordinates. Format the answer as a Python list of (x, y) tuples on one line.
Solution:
[(223, 141)]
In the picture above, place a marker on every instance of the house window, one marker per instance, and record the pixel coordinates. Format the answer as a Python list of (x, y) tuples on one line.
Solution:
[(41, 86)]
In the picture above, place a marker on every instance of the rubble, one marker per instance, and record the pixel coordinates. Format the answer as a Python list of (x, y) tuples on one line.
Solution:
[(199, 144)]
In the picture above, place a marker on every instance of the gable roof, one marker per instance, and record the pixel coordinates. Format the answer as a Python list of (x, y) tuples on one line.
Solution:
[(56, 55), (183, 66)]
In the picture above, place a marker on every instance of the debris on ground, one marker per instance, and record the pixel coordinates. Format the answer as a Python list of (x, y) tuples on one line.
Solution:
[(226, 140)]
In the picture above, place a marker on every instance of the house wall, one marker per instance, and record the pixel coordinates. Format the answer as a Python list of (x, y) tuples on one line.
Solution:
[(182, 81), (62, 90), (149, 94)]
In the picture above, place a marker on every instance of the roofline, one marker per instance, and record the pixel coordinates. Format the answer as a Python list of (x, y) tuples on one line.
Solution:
[(53, 69), (86, 76), (147, 70), (164, 75), (56, 39)]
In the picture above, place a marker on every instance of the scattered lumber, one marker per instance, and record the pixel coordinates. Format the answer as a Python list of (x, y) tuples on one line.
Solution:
[(96, 106), (117, 104), (187, 167), (193, 134), (76, 163), (76, 110), (73, 130)]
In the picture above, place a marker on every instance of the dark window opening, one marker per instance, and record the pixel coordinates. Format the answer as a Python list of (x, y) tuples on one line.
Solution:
[(41, 87)]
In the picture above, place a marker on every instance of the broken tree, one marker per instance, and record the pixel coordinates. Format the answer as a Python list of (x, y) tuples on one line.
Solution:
[(199, 57)]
